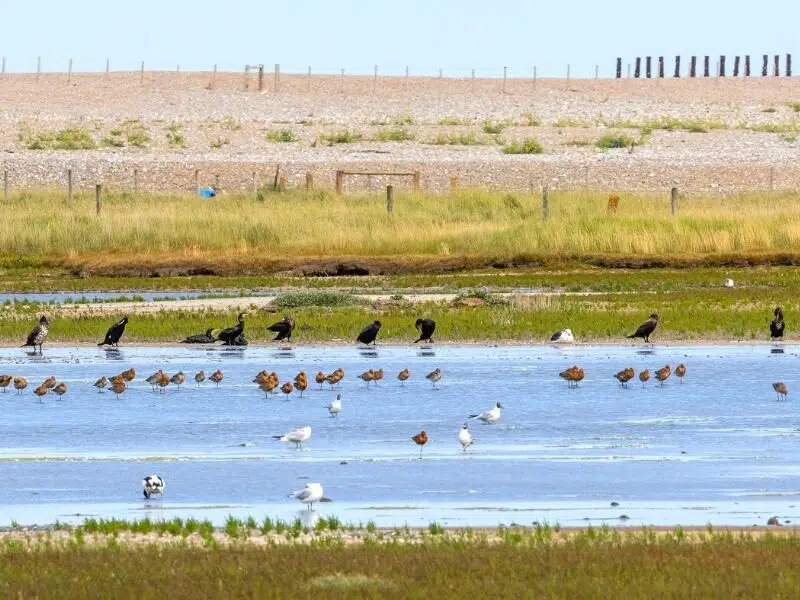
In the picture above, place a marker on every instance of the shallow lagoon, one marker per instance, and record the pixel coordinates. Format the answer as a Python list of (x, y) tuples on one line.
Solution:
[(716, 449)]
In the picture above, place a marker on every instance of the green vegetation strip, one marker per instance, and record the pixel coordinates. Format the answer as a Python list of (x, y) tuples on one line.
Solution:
[(192, 560)]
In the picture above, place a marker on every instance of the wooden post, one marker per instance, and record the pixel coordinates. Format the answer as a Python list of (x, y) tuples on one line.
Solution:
[(416, 181), (673, 195), (765, 66), (38, 67), (216, 182), (788, 65), (661, 67), (98, 197), (545, 202), (69, 184), (5, 185), (677, 73), (736, 66), (4, 65), (277, 77), (108, 66), (375, 80), (389, 199), (568, 74), (283, 184), (141, 75), (136, 182), (196, 180), (69, 72), (776, 71), (505, 77), (647, 64), (453, 184), (340, 182), (722, 66), (214, 77), (637, 69), (277, 175), (309, 181), (596, 72), (619, 67), (693, 67), (309, 79), (706, 66), (747, 65)]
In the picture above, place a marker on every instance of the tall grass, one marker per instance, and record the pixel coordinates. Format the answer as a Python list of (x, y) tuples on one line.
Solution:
[(44, 226)]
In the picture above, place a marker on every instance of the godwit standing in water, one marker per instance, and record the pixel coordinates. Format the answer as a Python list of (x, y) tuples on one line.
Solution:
[(644, 376), (403, 376), (663, 374), (420, 440), (781, 390), (680, 371), (434, 376)]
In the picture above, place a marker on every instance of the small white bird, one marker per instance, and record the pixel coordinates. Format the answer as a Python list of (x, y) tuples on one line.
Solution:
[(297, 436), (153, 484), (309, 494), (490, 416), (563, 337), (335, 407), (465, 437), (729, 283)]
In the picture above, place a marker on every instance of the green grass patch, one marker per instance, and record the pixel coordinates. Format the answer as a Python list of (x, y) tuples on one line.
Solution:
[(526, 146), (70, 138), (614, 140), (175, 137), (394, 134), (284, 136), (457, 139), (454, 121), (341, 137), (493, 127)]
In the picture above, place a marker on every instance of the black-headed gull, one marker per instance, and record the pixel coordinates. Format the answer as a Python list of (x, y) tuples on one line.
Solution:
[(490, 416), (335, 407), (297, 436), (465, 437)]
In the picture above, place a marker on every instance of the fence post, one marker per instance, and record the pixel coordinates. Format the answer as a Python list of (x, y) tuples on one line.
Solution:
[(677, 73), (637, 69), (722, 66), (693, 67), (777, 68), (765, 66), (69, 72), (389, 199), (788, 65), (673, 195), (568, 74), (375, 80), (706, 66), (309, 79), (545, 202), (661, 67), (38, 67), (277, 76), (339, 182), (736, 66), (453, 184), (747, 65), (108, 66), (98, 197), (596, 72), (4, 65), (283, 183), (216, 182), (141, 75), (619, 67), (69, 184), (505, 77), (647, 65), (5, 185), (135, 182), (214, 77), (196, 180), (309, 181), (416, 181)]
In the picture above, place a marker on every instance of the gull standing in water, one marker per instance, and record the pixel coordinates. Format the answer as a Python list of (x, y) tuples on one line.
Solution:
[(490, 416), (313, 492), (335, 407), (465, 437), (296, 436)]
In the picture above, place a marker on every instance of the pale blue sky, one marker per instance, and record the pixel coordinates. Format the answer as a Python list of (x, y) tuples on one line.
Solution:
[(424, 34)]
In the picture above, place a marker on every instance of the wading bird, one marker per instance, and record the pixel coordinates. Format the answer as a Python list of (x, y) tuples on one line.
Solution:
[(38, 334), (101, 384), (20, 383), (420, 440), (129, 374), (60, 389), (335, 407), (465, 437), (40, 391), (426, 327), (369, 334), (403, 376), (777, 326), (200, 377), (490, 416), (646, 329), (311, 493), (663, 374), (367, 376), (178, 379), (119, 387), (287, 388), (644, 376), (200, 338), (114, 333), (320, 378), (153, 484), (234, 336), (377, 376), (563, 337), (296, 436), (163, 382), (49, 383), (434, 376), (680, 371), (625, 376), (283, 328), (217, 376), (5, 380), (153, 379), (572, 375), (301, 384), (781, 390)]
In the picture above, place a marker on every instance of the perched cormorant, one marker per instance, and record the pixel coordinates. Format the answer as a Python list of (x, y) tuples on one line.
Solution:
[(777, 325), (283, 328), (201, 338), (38, 334), (369, 334), (233, 336), (426, 327), (646, 329), (114, 333)]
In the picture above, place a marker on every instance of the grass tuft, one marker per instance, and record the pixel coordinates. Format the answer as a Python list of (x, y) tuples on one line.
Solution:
[(526, 146)]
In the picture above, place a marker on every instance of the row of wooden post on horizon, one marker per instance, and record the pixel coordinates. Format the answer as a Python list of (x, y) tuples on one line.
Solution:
[(720, 71)]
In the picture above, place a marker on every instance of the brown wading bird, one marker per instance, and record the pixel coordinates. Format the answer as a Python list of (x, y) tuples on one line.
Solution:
[(434, 376), (40, 391), (377, 376), (625, 376), (163, 381), (320, 378), (153, 379), (644, 376), (261, 377), (178, 379), (119, 387), (367, 376), (20, 383), (335, 377), (217, 376), (403, 376), (646, 329), (781, 390), (663, 374), (60, 389), (129, 374), (572, 375), (200, 377), (287, 388), (101, 384), (420, 440), (116, 379), (300, 384), (680, 371), (5, 380), (49, 383)]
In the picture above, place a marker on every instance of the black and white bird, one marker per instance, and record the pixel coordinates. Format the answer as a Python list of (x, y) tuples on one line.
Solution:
[(490, 416), (563, 337), (283, 328), (153, 484), (465, 437), (335, 407), (311, 493), (234, 336), (369, 334), (646, 329), (201, 338), (426, 327), (296, 436), (114, 333), (777, 325), (38, 334)]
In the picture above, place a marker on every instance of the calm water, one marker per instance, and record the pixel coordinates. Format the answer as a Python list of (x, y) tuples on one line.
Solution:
[(718, 448)]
